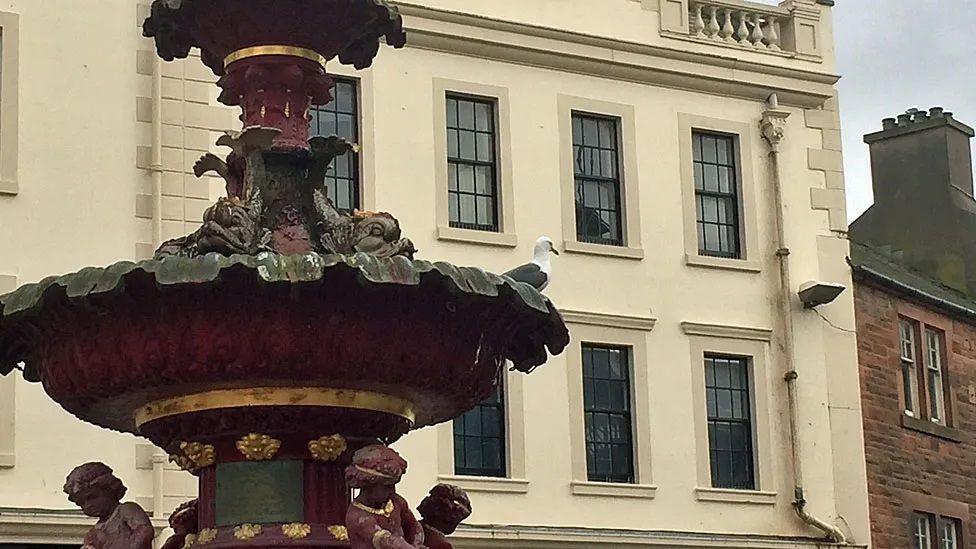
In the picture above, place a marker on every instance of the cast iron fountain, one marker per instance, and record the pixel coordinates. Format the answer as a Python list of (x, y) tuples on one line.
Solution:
[(277, 350)]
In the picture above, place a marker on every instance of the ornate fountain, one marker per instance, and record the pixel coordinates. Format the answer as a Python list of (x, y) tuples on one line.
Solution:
[(277, 350)]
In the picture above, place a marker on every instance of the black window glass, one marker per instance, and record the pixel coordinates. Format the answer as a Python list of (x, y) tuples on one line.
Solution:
[(472, 169), (606, 405), (596, 166), (479, 439), (716, 195), (729, 422), (341, 117)]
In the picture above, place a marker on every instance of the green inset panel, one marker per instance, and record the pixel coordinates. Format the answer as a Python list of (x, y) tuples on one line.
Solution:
[(260, 492)]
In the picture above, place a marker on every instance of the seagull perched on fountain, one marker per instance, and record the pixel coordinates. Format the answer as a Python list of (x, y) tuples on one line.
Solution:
[(538, 273)]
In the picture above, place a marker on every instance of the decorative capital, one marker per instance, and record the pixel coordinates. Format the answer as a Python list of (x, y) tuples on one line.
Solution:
[(258, 447), (340, 533), (328, 448), (194, 456), (247, 532), (296, 530), (773, 127), (206, 535)]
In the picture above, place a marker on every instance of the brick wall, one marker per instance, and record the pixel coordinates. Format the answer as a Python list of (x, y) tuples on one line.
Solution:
[(907, 469)]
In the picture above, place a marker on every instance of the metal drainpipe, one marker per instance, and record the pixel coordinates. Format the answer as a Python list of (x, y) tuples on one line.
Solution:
[(156, 162), (773, 130)]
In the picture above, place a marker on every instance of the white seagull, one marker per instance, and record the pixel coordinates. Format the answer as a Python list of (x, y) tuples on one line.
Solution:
[(538, 273)]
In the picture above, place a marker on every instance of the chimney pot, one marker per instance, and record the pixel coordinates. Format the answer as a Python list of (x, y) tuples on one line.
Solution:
[(936, 112), (888, 123), (904, 120), (920, 116)]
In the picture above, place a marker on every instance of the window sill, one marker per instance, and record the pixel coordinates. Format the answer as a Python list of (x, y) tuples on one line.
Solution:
[(7, 461), (614, 490), (722, 263), (930, 428), (723, 495), (488, 484), (484, 238), (8, 188), (576, 247)]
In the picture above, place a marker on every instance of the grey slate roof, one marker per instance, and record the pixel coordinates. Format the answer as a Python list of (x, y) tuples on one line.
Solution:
[(881, 266)]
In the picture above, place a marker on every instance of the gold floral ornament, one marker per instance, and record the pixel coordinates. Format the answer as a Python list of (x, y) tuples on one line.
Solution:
[(247, 532), (189, 540), (258, 447), (339, 532), (328, 448), (296, 530), (206, 536), (194, 456)]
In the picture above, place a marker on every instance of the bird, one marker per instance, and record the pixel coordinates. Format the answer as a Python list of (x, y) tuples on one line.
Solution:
[(537, 273)]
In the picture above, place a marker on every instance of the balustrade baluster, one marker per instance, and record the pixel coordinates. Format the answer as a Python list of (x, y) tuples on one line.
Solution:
[(743, 33), (772, 32), (713, 26), (698, 22), (728, 29), (757, 32)]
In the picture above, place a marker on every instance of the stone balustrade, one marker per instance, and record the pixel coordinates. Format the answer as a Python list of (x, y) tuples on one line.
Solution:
[(791, 29), (753, 27)]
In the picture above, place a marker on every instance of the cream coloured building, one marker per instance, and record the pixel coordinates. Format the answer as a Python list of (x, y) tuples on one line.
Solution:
[(675, 150)]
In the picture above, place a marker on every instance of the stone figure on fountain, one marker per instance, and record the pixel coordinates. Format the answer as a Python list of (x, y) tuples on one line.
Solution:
[(442, 511), (185, 526), (99, 493), (379, 518)]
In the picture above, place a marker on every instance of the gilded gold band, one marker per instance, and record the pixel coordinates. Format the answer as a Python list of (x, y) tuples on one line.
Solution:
[(275, 396), (292, 51)]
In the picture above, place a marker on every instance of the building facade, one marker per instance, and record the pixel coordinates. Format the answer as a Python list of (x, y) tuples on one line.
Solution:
[(684, 155), (916, 326)]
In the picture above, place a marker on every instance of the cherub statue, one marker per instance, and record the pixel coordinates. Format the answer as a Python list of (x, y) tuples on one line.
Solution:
[(98, 492), (183, 521), (379, 518), (443, 510)]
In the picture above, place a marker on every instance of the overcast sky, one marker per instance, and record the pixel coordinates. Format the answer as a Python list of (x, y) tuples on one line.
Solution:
[(897, 54)]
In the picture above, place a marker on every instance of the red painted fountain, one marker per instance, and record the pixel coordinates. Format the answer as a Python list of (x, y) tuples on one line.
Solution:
[(276, 351)]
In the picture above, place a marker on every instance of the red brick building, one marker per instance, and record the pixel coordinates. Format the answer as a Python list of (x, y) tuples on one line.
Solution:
[(912, 255)]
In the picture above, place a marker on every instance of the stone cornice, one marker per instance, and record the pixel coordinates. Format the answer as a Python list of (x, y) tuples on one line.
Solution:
[(539, 537), (625, 322), (685, 68), (726, 332)]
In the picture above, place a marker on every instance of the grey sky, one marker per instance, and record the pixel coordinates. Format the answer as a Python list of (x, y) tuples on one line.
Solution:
[(897, 54)]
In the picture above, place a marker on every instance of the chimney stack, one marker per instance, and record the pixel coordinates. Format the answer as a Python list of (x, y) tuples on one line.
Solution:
[(921, 156)]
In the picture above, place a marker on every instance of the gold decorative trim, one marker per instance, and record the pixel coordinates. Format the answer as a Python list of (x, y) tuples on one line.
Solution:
[(195, 456), (258, 447), (189, 540), (328, 448), (290, 51), (340, 533), (247, 532), (275, 396), (296, 530), (386, 511), (206, 536)]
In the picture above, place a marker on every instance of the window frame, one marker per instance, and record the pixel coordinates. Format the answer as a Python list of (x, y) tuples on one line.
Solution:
[(735, 195), (9, 102), (604, 330), (356, 162), (935, 373), (935, 530), (925, 323), (629, 194), (581, 179), (752, 344), (745, 136), (492, 164), (909, 365), (588, 409), (506, 236), (483, 472), (745, 362)]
